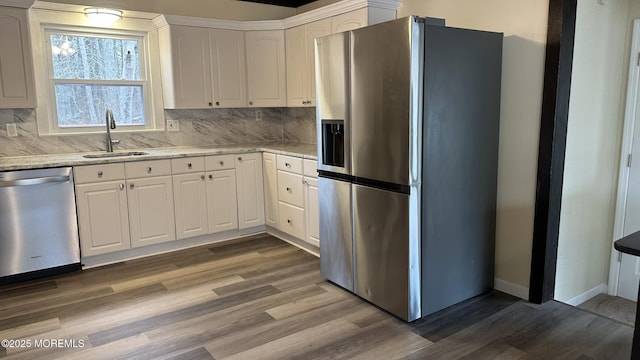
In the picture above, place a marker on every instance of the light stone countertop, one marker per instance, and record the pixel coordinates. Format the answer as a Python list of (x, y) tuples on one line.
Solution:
[(306, 151)]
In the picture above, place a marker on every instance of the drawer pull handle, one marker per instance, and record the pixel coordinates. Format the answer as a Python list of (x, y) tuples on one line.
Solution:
[(202, 177), (149, 169), (211, 177), (288, 189), (131, 186), (287, 165), (100, 173), (221, 163), (240, 158), (289, 221), (121, 186), (189, 165)]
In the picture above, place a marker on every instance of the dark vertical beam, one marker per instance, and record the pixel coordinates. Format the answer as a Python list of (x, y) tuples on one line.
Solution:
[(551, 150)]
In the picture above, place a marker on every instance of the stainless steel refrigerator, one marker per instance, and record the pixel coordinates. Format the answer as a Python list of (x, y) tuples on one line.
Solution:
[(408, 122)]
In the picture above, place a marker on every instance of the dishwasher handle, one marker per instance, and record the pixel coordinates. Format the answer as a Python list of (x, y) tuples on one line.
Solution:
[(35, 181)]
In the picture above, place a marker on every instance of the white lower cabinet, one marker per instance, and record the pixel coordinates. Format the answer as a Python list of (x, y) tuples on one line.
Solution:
[(222, 203), (270, 189), (134, 204), (103, 219), (291, 219), (250, 190), (297, 198), (312, 226), (151, 210), (190, 201)]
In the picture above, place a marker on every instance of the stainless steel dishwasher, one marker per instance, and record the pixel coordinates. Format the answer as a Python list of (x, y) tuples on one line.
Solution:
[(38, 224)]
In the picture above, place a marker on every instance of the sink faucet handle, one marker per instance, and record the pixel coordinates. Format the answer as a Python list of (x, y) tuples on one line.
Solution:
[(115, 141)]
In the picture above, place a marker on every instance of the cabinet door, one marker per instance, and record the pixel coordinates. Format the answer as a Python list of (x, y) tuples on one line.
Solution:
[(296, 66), (315, 30), (311, 211), (266, 78), (228, 68), (270, 189), (222, 202), (349, 21), (102, 217), (151, 218), (190, 200), (17, 89), (250, 190), (191, 67)]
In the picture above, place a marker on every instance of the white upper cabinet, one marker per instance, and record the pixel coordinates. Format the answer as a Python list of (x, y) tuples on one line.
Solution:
[(204, 67), (301, 61), (190, 83), (349, 21), (360, 18), (266, 78), (229, 71), (17, 89)]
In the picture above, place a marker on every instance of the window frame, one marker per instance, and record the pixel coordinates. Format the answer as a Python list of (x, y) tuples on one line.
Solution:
[(43, 23)]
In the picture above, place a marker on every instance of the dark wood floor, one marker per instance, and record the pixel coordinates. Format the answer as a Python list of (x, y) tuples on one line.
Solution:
[(260, 298)]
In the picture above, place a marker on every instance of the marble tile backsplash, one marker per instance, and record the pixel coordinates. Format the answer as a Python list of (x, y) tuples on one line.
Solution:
[(197, 127)]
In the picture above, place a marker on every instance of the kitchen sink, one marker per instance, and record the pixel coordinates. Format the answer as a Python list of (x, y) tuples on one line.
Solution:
[(114, 154)]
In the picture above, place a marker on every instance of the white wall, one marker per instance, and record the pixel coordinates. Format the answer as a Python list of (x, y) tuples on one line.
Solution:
[(596, 118), (524, 24)]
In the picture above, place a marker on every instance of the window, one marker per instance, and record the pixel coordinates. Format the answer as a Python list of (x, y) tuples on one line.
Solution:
[(93, 73), (82, 69)]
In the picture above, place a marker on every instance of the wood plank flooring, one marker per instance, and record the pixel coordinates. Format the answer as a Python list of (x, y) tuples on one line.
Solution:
[(260, 298)]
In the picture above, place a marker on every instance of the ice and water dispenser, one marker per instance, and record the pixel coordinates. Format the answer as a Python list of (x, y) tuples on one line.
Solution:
[(333, 142)]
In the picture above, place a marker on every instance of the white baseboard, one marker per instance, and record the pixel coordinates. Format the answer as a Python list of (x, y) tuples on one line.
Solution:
[(580, 298), (511, 288)]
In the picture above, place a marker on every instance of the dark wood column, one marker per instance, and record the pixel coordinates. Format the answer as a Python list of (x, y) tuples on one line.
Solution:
[(551, 151)]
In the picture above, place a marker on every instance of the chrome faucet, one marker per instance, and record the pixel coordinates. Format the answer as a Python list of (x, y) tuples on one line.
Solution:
[(111, 124)]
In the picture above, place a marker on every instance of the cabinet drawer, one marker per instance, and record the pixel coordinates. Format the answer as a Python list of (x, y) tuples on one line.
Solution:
[(95, 173), (187, 165), (288, 163), (291, 220), (310, 168), (290, 189), (143, 169), (219, 162)]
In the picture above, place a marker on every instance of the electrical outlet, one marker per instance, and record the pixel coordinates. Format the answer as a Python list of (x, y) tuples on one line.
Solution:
[(258, 115), (173, 125), (12, 130)]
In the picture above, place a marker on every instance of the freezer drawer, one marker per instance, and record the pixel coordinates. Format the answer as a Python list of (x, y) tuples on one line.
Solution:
[(381, 247), (336, 244)]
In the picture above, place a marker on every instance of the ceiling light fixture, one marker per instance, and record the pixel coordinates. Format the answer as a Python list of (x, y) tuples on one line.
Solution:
[(102, 14)]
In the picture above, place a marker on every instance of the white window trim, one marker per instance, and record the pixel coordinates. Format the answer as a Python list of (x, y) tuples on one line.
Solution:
[(41, 21)]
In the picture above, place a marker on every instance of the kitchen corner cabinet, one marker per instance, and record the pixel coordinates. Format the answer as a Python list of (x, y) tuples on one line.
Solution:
[(301, 61), (150, 200), (204, 68), (250, 190), (270, 189), (17, 87), (101, 201), (266, 71)]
